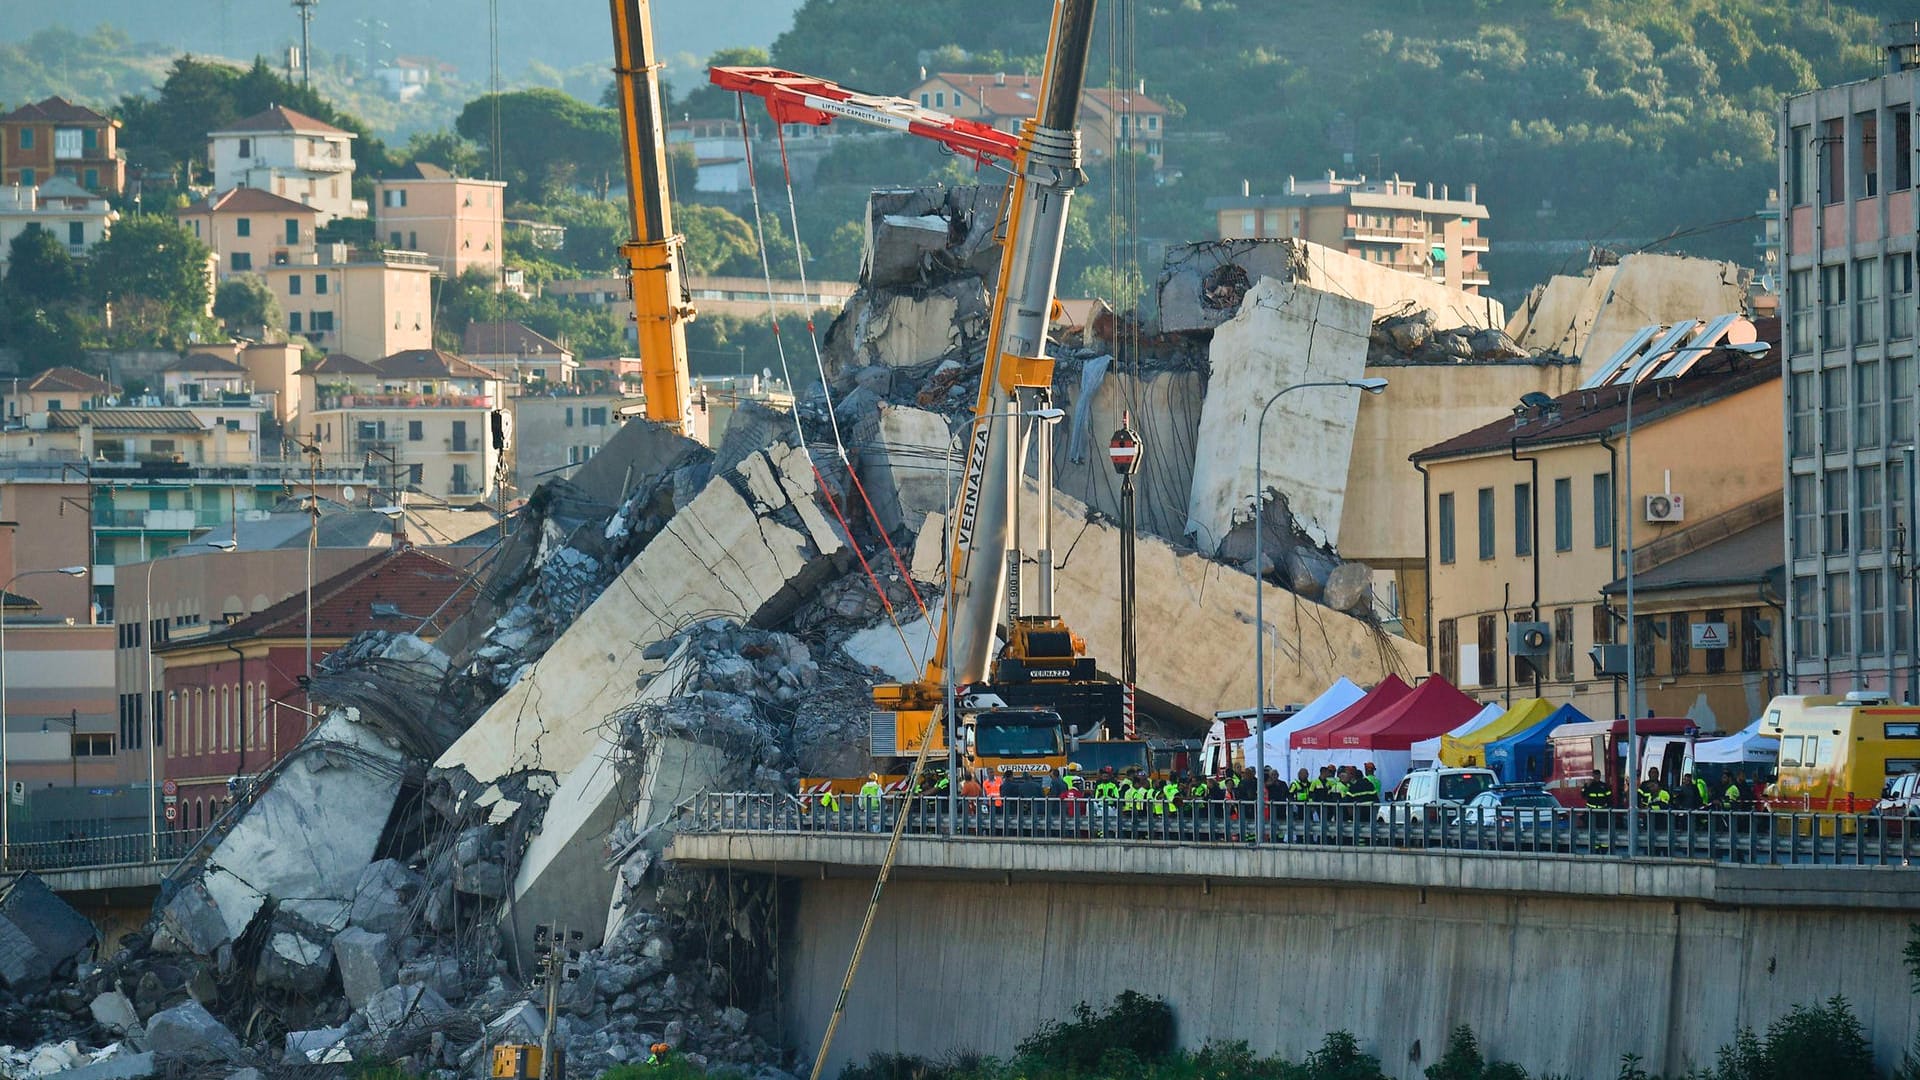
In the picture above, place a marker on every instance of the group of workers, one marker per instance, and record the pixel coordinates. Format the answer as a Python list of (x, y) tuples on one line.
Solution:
[(1691, 793), (1130, 790)]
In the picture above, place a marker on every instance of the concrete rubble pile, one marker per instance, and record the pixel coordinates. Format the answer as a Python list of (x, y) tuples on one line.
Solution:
[(1414, 337)]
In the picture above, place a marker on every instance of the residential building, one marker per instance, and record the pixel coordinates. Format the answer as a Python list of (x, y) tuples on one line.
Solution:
[(405, 78), (719, 156), (274, 370), (1391, 222), (612, 374), (554, 433), (233, 700), (1849, 222), (422, 414), (289, 154), (55, 389), (743, 297), (55, 137), (1110, 119), (454, 220), (1526, 521), (74, 216), (520, 355), (250, 229), (355, 302)]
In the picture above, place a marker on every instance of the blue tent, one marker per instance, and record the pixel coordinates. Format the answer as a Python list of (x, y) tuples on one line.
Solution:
[(1522, 756)]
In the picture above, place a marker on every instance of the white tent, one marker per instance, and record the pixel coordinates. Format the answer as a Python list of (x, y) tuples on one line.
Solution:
[(1427, 751), (1744, 746), (1337, 697)]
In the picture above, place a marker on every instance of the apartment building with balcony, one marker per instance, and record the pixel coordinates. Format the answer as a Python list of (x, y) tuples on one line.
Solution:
[(250, 229), (291, 155), (75, 217), (523, 357), (56, 138), (456, 221), (359, 303), (52, 390), (1849, 210), (1392, 223), (423, 414)]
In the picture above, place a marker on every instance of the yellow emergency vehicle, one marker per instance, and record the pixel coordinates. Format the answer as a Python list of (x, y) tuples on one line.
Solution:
[(1837, 753)]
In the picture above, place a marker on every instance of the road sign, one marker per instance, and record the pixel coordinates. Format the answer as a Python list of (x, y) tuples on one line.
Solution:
[(18, 793), (1709, 635), (169, 787), (173, 812)]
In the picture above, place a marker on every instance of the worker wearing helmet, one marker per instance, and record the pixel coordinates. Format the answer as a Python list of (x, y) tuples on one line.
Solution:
[(657, 1055), (1070, 776), (870, 792)]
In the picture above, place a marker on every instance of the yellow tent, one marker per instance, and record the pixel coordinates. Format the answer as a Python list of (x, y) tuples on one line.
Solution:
[(1471, 749)]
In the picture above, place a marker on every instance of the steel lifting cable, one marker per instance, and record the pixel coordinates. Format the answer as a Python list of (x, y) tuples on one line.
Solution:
[(820, 364), (780, 348)]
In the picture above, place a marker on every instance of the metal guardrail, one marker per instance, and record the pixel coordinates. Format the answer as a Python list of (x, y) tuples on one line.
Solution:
[(83, 853), (1749, 837)]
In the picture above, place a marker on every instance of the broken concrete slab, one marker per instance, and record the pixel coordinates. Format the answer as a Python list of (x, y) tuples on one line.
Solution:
[(294, 956), (125, 1065), (114, 1012), (753, 556), (1592, 317), (381, 895), (921, 236), (442, 973), (1165, 407), (1201, 284), (192, 920), (367, 964), (314, 1045), (189, 1030), (1208, 664), (314, 829), (398, 1008), (1282, 335), (904, 473), (40, 934)]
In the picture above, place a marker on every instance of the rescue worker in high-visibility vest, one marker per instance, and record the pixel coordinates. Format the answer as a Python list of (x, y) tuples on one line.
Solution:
[(1302, 787), (1701, 789), (870, 793), (1732, 795), (1134, 795), (1170, 791), (990, 788), (1649, 788), (657, 1055), (829, 801), (1108, 789), (1365, 786), (1070, 776), (1598, 793)]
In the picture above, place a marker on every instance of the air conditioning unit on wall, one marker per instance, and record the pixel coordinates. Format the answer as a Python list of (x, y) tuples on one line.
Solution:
[(1666, 508)]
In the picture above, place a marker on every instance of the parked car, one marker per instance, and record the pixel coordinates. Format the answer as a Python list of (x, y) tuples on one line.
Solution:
[(1514, 813), (1899, 804), (1435, 794)]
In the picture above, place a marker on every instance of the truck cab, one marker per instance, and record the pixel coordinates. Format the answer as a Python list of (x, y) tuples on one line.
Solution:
[(1011, 740)]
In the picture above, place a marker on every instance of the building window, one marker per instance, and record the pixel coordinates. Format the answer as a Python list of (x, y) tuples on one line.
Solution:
[(243, 227), (246, 148), (1900, 296), (594, 417), (1749, 639), (413, 241), (1486, 523), (1602, 509), (1806, 617), (241, 260), (1489, 629), (1563, 644), (293, 322), (26, 138), (416, 474), (1900, 411), (1833, 307), (293, 230), (1869, 507), (1866, 139), (1679, 644), (395, 238), (319, 284), (76, 233), (1717, 658), (293, 285), (569, 421), (1866, 400), (1800, 309), (1645, 645), (1806, 516), (1446, 527), (1833, 402), (1563, 514), (1839, 614), (1803, 400), (90, 177), (89, 744), (1866, 301), (416, 431), (460, 480), (320, 322), (1901, 121), (1833, 162), (1448, 652), (1523, 520), (1839, 533), (1873, 612)]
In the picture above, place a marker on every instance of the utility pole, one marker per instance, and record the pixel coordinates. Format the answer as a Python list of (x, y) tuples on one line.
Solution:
[(305, 8)]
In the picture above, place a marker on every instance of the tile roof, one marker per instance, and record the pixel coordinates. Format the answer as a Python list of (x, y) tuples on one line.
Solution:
[(420, 170), (157, 421), (248, 200), (1591, 415), (71, 380), (409, 579), (205, 362), (339, 364), (430, 364), (57, 110), (278, 119), (508, 339), (1748, 557)]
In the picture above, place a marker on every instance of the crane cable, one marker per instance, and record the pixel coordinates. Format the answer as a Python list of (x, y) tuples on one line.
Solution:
[(773, 316)]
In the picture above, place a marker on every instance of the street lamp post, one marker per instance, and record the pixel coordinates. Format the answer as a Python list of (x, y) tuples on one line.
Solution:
[(6, 781), (1047, 416), (1755, 350), (1371, 386)]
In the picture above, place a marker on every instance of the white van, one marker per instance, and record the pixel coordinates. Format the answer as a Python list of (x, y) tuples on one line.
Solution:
[(1427, 794)]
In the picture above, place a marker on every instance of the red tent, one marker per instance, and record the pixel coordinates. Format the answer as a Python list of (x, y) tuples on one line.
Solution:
[(1432, 708), (1323, 734)]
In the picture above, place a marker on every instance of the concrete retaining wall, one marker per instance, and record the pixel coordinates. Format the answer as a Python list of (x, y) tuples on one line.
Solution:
[(1560, 984)]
